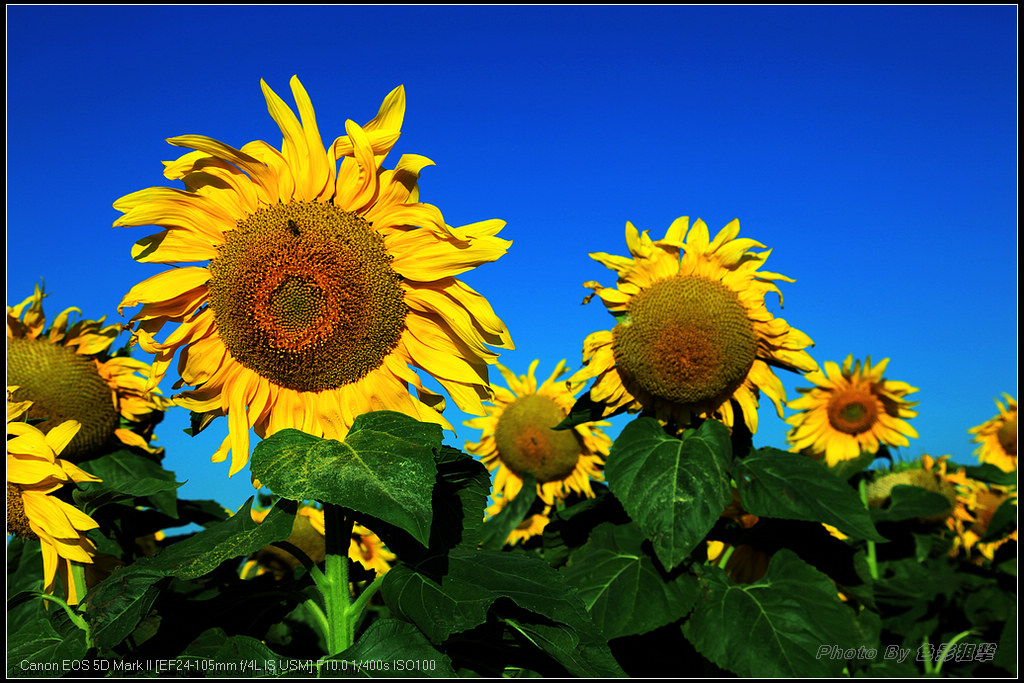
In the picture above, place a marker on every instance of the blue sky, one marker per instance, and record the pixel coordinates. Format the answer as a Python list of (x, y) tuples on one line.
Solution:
[(874, 149)]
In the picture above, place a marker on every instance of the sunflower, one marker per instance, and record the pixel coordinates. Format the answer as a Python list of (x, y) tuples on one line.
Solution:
[(532, 525), (998, 437), (308, 536), (325, 285), (982, 501), (368, 550), (518, 438), (34, 473), (851, 410), (693, 336), (68, 374)]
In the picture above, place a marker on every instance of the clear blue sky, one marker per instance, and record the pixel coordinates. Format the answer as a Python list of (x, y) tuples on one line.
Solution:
[(873, 148)]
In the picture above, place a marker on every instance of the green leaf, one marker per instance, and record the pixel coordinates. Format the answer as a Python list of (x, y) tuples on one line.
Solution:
[(584, 410), (385, 468), (214, 654), (37, 650), (773, 483), (911, 502), (397, 649), (476, 579), (497, 529), (127, 474), (674, 489), (120, 603), (1003, 522), (458, 502), (845, 469), (92, 495), (24, 577), (1006, 654), (990, 474), (907, 593), (115, 607), (775, 627), (560, 642), (626, 591)]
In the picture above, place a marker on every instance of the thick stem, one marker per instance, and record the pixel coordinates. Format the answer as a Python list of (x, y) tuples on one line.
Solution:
[(338, 523)]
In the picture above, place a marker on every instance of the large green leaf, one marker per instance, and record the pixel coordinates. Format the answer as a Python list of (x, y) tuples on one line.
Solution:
[(476, 579), (775, 627), (390, 649), (674, 489), (384, 468), (626, 591), (115, 607), (773, 483), (127, 475), (910, 502)]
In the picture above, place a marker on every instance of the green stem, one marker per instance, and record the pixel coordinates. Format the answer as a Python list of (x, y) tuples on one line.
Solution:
[(929, 670), (77, 578), (338, 523), (956, 639), (76, 619), (872, 558), (724, 559), (359, 606)]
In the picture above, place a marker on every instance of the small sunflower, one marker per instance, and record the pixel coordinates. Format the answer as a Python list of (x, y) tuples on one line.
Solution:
[(532, 525), (325, 285), (851, 410), (68, 374), (693, 336), (998, 437), (308, 536), (368, 550), (982, 501), (518, 438), (34, 473)]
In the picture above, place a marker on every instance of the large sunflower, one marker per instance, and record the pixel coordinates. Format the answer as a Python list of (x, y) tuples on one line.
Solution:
[(324, 283), (998, 437), (851, 410), (34, 473), (693, 334), (518, 438), (68, 374)]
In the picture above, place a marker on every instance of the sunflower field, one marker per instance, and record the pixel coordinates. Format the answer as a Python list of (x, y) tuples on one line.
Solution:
[(307, 293)]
